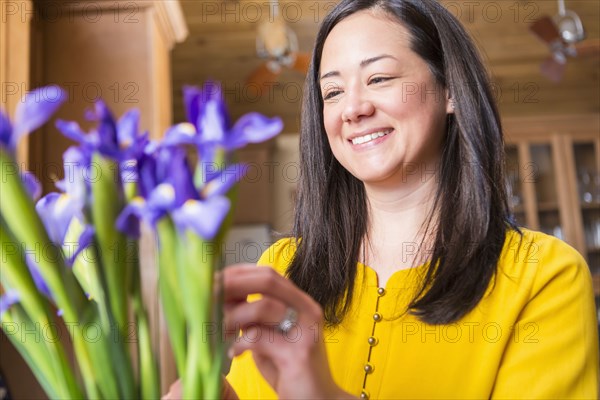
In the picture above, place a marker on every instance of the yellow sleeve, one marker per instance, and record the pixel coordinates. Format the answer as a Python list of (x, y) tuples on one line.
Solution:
[(553, 351), (243, 376)]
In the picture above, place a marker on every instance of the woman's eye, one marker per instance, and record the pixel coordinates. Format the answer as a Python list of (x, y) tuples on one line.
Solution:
[(379, 79), (331, 94)]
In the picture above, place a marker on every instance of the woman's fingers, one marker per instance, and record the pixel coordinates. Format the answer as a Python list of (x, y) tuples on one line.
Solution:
[(265, 311), (243, 280), (176, 393)]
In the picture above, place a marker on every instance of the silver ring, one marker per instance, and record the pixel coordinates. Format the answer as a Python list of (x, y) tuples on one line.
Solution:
[(289, 320)]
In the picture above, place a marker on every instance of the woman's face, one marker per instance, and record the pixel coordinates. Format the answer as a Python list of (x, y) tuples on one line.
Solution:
[(383, 111)]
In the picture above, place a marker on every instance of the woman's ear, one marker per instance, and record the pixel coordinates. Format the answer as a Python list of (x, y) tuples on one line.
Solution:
[(450, 103)]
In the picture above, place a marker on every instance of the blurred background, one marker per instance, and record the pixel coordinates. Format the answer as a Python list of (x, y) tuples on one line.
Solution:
[(543, 56)]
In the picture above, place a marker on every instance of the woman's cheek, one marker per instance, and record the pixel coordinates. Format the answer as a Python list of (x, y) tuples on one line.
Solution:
[(332, 126)]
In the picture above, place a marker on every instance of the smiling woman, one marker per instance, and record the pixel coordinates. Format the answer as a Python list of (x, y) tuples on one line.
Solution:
[(405, 275), (375, 127)]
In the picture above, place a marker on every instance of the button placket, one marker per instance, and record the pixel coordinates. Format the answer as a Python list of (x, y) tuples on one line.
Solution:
[(372, 341)]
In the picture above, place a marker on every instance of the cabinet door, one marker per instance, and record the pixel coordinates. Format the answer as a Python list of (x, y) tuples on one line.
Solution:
[(515, 179), (536, 182), (549, 188), (584, 156)]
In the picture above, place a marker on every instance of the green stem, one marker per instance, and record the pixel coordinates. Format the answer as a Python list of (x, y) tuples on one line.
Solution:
[(107, 204), (169, 290), (201, 309), (192, 380), (46, 358), (105, 209), (18, 211), (33, 352), (15, 274), (148, 367)]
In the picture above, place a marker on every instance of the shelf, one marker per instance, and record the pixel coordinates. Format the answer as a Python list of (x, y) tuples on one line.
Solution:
[(593, 250), (594, 206), (548, 206)]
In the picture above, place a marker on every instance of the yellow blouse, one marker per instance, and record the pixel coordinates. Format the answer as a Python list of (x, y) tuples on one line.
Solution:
[(533, 335)]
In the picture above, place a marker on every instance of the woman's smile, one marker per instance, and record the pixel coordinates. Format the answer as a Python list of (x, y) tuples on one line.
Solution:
[(370, 137)]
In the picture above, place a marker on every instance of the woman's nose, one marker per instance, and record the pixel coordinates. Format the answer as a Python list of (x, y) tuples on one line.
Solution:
[(356, 106)]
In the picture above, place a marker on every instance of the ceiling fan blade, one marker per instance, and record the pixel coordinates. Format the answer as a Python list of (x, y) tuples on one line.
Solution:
[(553, 69), (589, 47), (302, 62), (262, 75), (274, 36), (545, 29)]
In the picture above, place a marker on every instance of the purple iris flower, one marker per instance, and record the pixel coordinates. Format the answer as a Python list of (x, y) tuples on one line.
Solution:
[(209, 126), (57, 210), (37, 107), (119, 140), (167, 187), (75, 184)]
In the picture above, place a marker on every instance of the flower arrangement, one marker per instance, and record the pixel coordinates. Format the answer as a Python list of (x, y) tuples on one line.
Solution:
[(74, 255)]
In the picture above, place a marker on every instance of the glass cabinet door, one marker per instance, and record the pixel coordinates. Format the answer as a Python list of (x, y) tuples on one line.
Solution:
[(546, 194), (587, 169), (532, 186), (514, 181)]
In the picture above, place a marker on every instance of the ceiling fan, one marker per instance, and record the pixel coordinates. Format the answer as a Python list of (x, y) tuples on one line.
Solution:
[(278, 44), (564, 34)]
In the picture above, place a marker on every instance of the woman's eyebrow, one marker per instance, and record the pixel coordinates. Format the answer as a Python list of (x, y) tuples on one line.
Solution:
[(363, 64)]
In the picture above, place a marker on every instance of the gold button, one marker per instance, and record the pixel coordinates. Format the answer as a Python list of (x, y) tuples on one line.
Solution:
[(381, 291), (377, 317), (372, 341), (364, 394), (368, 368)]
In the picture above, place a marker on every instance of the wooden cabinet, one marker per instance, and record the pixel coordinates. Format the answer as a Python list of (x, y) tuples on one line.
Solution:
[(553, 168)]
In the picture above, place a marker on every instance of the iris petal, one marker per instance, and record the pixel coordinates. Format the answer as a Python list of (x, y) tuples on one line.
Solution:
[(71, 130), (32, 185), (213, 124), (37, 108), (253, 128), (74, 184), (5, 129), (8, 299), (192, 98), (39, 281), (181, 179), (225, 180), (184, 133), (56, 211), (127, 127), (163, 197), (85, 239), (128, 221), (202, 217)]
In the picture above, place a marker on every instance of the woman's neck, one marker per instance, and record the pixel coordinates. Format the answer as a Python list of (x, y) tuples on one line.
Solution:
[(397, 220)]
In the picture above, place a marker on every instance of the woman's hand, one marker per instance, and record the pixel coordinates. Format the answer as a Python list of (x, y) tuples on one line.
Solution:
[(295, 362), (176, 392)]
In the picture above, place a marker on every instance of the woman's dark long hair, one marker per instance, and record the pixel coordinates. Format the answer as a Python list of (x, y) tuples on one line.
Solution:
[(470, 206)]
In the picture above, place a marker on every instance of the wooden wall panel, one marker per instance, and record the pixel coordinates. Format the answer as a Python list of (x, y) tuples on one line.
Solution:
[(115, 50), (222, 37), (15, 24)]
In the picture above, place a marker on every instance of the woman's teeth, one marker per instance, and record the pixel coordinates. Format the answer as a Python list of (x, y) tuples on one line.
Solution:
[(369, 137)]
